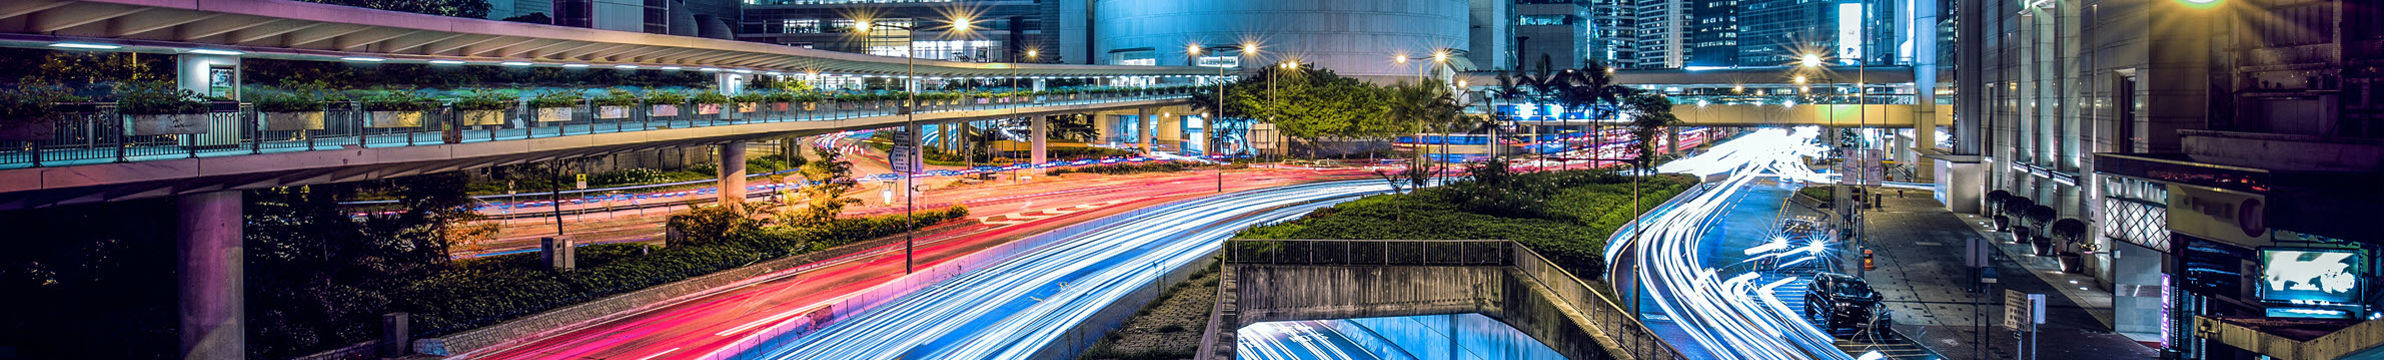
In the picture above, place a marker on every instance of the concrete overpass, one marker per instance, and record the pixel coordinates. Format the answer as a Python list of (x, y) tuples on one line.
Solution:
[(1291, 280), (1827, 115)]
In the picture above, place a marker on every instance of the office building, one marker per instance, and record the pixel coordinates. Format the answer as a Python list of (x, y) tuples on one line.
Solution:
[(1002, 30), (1357, 38)]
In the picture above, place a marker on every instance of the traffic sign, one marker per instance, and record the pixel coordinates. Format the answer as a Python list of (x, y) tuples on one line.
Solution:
[(579, 181), (2023, 310), (1873, 166), (904, 154)]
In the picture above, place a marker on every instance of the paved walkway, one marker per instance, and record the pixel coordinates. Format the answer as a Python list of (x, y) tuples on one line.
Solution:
[(1921, 269)]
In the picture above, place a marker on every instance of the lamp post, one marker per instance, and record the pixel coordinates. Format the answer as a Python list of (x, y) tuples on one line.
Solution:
[(909, 124), (1194, 51), (1440, 57)]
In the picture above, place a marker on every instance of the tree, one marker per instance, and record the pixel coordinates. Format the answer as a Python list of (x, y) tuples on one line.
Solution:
[(1651, 112), (1306, 103), (458, 8), (829, 179)]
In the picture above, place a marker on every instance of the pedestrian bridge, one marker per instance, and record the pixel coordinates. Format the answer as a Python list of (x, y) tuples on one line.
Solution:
[(1293, 280), (93, 159), (1827, 115)]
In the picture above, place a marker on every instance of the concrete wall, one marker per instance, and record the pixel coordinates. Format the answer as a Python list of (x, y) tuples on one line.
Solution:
[(1084, 334), (1263, 293)]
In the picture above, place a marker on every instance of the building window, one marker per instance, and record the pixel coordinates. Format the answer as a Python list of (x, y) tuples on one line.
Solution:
[(1145, 57), (1542, 20), (957, 50), (801, 26)]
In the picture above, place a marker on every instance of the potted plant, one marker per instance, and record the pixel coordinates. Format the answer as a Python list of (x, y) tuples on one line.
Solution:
[(1992, 202), (709, 103), (30, 112), (2071, 232), (617, 104), (289, 110), (484, 107), (557, 106), (665, 103), (2015, 207), (808, 100), (747, 102), (2037, 218), (159, 108), (397, 109)]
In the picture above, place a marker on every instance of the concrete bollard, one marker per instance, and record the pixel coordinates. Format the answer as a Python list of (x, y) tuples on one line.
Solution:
[(395, 336)]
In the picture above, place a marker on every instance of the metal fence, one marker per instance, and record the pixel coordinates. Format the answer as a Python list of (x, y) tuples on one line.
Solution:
[(102, 135)]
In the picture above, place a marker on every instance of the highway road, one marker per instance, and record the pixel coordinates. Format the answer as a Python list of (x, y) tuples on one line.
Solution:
[(1725, 315), (1014, 308), (703, 325)]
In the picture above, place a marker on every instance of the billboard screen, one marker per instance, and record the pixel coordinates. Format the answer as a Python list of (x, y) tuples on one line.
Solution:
[(2311, 276)]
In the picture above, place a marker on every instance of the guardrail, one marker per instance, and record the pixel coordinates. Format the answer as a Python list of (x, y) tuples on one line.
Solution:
[(102, 135)]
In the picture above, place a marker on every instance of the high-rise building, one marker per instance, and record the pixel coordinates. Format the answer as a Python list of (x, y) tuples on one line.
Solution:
[(1559, 31), (1615, 40), (1357, 38), (703, 18), (1002, 30), (2210, 146), (1715, 27), (1662, 27)]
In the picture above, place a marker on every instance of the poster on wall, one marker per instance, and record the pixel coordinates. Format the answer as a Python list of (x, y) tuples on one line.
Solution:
[(222, 82), (2235, 217), (2312, 276)]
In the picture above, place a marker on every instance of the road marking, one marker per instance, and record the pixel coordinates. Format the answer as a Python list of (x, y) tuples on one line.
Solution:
[(761, 322), (659, 353)]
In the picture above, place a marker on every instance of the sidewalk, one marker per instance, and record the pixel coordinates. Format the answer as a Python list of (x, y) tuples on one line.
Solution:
[(1920, 268)]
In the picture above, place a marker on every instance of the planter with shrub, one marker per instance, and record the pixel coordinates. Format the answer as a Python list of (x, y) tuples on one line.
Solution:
[(617, 104), (286, 111), (710, 103), (665, 103), (31, 112), (159, 108), (484, 108), (556, 106), (396, 109)]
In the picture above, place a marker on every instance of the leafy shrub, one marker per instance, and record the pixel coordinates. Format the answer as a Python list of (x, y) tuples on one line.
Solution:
[(616, 97), (1121, 169), (485, 99), (1567, 216), (711, 97), (157, 97), (553, 99), (287, 101), (30, 101), (397, 101), (749, 98), (668, 97)]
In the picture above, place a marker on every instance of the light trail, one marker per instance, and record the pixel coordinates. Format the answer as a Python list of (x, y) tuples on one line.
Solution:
[(1721, 314), (1012, 309)]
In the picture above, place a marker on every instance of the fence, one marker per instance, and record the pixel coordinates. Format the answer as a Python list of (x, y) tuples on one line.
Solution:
[(102, 135)]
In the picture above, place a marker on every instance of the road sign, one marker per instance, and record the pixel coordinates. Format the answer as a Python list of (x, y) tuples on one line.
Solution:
[(579, 181), (904, 155), (2023, 310), (1850, 167)]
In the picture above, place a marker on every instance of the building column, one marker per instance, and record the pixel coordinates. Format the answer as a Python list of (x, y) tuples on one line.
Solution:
[(1206, 134), (1107, 124), (1040, 129), (731, 172), (193, 72), (730, 83), (208, 234), (1144, 133)]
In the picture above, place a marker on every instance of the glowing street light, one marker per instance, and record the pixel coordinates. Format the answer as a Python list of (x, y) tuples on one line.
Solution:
[(1812, 60)]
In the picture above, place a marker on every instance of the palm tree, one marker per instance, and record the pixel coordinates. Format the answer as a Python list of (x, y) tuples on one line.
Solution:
[(1546, 86), (1651, 113), (1509, 91), (1592, 89)]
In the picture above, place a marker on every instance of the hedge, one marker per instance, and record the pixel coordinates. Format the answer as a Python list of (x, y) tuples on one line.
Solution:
[(483, 292), (1570, 226)]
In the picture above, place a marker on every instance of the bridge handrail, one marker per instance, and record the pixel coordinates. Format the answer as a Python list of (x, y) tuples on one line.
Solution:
[(1602, 310), (102, 135)]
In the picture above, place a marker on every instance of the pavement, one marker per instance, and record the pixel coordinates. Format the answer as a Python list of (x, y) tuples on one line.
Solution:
[(1921, 270)]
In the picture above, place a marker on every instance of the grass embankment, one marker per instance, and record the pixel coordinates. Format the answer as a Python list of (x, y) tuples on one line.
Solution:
[(1821, 193), (1565, 216), (1169, 327)]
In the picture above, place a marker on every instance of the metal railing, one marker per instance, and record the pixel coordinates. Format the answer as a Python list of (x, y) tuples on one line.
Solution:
[(102, 135), (1620, 328)]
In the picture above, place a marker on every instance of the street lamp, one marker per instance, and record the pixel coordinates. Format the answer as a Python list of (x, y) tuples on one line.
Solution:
[(1193, 51), (1848, 187), (909, 211)]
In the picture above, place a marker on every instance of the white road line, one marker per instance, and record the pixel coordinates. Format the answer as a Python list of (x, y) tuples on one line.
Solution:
[(659, 353)]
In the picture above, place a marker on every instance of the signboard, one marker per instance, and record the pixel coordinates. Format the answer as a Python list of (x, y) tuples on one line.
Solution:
[(2235, 217), (1228, 62), (2311, 276), (1851, 167), (904, 156), (223, 82), (2023, 311), (579, 181), (1873, 166)]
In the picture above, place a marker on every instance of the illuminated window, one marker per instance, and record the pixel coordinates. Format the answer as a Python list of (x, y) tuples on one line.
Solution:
[(799, 26), (1542, 20)]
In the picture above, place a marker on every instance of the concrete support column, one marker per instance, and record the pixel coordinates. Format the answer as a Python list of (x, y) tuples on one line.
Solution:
[(1040, 127), (208, 231), (1207, 134), (192, 72), (730, 83), (1143, 132), (1109, 126), (731, 171)]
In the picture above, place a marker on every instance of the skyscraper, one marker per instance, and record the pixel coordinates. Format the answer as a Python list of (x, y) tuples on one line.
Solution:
[(1662, 26)]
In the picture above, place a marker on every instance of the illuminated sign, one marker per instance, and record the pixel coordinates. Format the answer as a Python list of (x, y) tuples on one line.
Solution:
[(2311, 276)]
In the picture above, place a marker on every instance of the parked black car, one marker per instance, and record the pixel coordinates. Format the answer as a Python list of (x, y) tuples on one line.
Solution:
[(1839, 302)]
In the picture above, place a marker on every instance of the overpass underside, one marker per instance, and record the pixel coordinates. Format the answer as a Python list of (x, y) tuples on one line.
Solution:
[(1294, 280), (1827, 115)]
